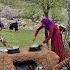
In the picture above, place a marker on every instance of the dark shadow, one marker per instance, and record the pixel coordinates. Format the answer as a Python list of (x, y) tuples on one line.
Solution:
[(25, 65)]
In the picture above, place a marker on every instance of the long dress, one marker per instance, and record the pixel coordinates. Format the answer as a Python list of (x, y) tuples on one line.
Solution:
[(57, 45)]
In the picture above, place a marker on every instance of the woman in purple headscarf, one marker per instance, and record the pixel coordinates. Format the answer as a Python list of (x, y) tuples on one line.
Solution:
[(52, 32)]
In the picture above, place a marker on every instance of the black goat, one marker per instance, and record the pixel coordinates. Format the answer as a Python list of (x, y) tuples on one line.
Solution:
[(14, 26)]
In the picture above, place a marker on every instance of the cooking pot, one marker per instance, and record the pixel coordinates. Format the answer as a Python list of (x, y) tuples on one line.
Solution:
[(10, 50), (13, 50), (35, 47)]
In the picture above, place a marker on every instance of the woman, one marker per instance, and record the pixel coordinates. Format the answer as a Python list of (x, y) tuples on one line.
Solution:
[(1, 26), (52, 32)]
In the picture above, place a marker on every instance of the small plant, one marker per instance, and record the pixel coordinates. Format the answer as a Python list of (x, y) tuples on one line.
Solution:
[(4, 42)]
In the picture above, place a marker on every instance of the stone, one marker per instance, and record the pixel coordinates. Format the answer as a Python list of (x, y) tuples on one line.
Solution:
[(64, 65)]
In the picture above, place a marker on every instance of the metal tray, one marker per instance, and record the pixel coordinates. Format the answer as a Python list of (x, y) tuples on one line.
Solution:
[(10, 50)]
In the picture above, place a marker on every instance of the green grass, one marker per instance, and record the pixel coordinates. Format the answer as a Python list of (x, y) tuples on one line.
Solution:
[(21, 38)]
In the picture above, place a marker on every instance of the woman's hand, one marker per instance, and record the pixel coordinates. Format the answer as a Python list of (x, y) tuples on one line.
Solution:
[(43, 44), (34, 39)]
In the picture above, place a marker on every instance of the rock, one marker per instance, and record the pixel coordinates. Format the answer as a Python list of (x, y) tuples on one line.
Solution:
[(9, 12)]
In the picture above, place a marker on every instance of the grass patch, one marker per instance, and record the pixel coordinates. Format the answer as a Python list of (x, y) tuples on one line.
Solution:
[(21, 38)]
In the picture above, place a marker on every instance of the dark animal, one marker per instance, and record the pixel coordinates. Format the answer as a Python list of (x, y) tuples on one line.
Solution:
[(62, 29), (69, 44), (14, 26)]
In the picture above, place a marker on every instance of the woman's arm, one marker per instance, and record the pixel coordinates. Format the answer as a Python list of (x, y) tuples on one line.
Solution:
[(49, 35), (36, 32)]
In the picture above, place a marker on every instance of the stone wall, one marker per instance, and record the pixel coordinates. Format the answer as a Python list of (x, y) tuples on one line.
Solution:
[(64, 65)]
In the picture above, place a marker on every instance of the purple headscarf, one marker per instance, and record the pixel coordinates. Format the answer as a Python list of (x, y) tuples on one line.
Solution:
[(46, 21)]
